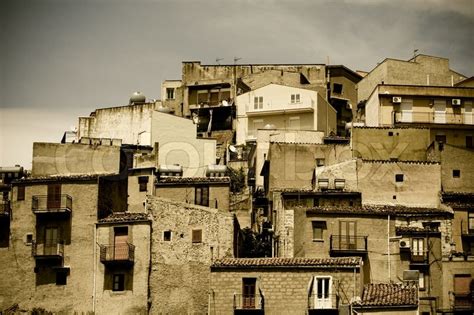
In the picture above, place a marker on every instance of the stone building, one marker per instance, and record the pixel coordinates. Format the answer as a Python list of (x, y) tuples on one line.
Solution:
[(284, 285)]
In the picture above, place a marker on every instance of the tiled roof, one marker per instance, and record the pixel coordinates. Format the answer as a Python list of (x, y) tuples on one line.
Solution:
[(62, 178), (389, 295), (125, 217), (387, 127), (380, 210), (458, 199), (400, 230), (343, 262), (400, 161), (192, 180)]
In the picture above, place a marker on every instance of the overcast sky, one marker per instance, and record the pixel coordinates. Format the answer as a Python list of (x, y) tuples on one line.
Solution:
[(61, 59)]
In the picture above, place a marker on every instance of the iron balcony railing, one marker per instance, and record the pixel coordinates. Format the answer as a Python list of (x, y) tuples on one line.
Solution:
[(348, 243), (248, 302), (463, 301), (319, 301), (49, 249), (51, 204), (419, 256), (433, 118), (4, 207), (117, 253)]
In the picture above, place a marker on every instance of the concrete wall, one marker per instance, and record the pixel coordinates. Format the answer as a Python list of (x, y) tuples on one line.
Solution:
[(134, 299), (130, 123), (384, 144), (136, 198), (285, 290), (178, 144), (180, 273), (218, 194), (69, 159), (326, 116), (18, 281)]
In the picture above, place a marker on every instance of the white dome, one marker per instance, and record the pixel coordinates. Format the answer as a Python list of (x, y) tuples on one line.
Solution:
[(137, 97)]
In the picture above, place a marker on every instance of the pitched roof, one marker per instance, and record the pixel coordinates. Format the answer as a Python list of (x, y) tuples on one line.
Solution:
[(62, 178), (389, 295), (192, 180), (380, 210), (118, 217), (342, 262), (458, 199)]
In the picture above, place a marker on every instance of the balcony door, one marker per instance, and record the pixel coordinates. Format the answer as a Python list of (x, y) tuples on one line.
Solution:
[(54, 196), (51, 235), (322, 292), (347, 232), (406, 108), (121, 243), (468, 119), (248, 292), (439, 111)]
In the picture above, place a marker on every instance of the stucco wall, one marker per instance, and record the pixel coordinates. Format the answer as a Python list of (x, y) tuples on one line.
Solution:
[(69, 158), (180, 274), (136, 198)]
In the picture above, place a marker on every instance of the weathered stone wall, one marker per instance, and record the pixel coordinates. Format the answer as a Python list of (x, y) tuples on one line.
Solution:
[(285, 290), (180, 273), (74, 158), (456, 158)]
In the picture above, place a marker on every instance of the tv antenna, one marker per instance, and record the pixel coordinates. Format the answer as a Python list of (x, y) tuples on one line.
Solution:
[(218, 60)]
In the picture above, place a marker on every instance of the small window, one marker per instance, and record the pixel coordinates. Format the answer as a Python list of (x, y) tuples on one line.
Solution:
[(440, 138), (170, 93), (398, 178), (258, 102), (197, 236), (337, 88), (61, 278), (470, 221), (421, 280), (456, 173), (295, 98), (143, 183), (202, 196), (469, 143), (390, 133), (20, 195), (29, 239), (167, 236), (320, 162), (118, 282), (318, 228)]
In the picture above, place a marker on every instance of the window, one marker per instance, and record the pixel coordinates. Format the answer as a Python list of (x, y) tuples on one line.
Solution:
[(421, 280), (398, 178), (54, 196), (167, 236), (322, 292), (418, 247), (469, 143), (29, 239), (143, 183), (470, 220), (202, 196), (197, 236), (318, 228), (170, 93), (118, 283), (20, 195), (248, 292), (320, 162), (390, 133), (337, 88), (456, 173), (258, 102), (61, 278), (440, 138), (295, 98)]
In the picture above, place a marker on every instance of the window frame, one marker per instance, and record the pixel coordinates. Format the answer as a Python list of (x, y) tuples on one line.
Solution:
[(143, 183), (318, 225), (470, 221), (456, 173), (399, 178), (258, 102), (419, 250), (173, 90), (196, 236), (165, 238)]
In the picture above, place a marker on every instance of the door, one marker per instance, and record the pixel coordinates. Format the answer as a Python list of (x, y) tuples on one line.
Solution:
[(468, 113), (347, 232), (294, 123), (406, 108), (322, 290), (51, 236), (120, 243), (54, 196), (439, 111), (248, 292)]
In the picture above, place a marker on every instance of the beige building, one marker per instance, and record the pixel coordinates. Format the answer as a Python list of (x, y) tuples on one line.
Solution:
[(422, 70), (284, 285)]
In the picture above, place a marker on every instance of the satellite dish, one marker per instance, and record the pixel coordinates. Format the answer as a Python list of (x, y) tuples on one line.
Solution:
[(232, 149), (225, 103)]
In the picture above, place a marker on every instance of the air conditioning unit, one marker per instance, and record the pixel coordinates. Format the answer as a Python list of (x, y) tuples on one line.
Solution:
[(404, 243), (397, 99), (456, 102)]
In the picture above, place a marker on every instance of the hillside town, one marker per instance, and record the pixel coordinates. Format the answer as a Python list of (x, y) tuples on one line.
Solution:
[(253, 189)]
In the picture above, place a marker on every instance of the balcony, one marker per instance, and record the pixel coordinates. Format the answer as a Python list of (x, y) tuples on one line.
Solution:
[(51, 204), (323, 304), (418, 258), (463, 301), (348, 245), (248, 304), (117, 254), (51, 250), (4, 208), (433, 118)]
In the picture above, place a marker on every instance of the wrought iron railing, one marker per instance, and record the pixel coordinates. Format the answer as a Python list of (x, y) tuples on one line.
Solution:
[(248, 301), (463, 301), (4, 207), (432, 118), (51, 203), (348, 243), (119, 252), (323, 301), (52, 248)]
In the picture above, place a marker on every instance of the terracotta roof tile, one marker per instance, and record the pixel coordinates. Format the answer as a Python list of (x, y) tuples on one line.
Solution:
[(343, 262), (125, 217), (62, 177), (400, 161), (380, 210), (389, 294), (458, 199), (192, 180)]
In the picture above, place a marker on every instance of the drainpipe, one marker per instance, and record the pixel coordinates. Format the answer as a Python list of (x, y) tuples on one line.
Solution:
[(95, 266), (388, 248)]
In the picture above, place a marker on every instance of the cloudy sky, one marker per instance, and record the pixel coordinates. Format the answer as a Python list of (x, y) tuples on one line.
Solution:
[(60, 59)]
